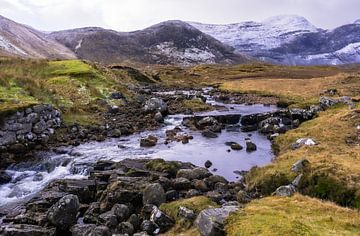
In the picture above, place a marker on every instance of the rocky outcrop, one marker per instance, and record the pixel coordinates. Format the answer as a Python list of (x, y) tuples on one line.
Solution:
[(113, 202), (28, 127)]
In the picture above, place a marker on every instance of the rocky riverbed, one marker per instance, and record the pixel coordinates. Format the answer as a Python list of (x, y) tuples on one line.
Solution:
[(104, 188)]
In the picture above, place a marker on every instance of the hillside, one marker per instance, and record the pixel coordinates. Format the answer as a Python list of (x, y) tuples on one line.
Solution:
[(171, 42), (23, 41)]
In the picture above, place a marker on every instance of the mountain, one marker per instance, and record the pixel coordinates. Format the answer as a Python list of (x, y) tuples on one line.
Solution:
[(23, 41), (170, 42), (291, 40)]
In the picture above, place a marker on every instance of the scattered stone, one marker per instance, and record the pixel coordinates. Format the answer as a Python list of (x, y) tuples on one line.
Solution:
[(303, 142), (297, 180), (210, 222), (108, 219), (192, 193), (149, 227), (159, 117), (209, 134), (196, 173), (155, 105), (121, 211), (186, 213), (236, 146), (181, 184), (250, 146), (171, 195), (285, 191), (4, 177), (63, 213), (163, 221), (135, 221), (125, 228), (300, 165), (326, 102), (208, 164), (150, 141), (154, 194)]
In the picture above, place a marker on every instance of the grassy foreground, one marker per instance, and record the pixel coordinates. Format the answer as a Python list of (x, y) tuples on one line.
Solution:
[(298, 215)]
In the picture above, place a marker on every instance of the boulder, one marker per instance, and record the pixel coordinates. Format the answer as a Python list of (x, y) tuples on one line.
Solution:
[(236, 146), (92, 213), (121, 211), (135, 221), (299, 165), (326, 102), (208, 164), (186, 213), (149, 227), (149, 141), (154, 194), (125, 228), (207, 121), (155, 105), (285, 191), (163, 221), (210, 222), (243, 197), (250, 146), (196, 173), (209, 134), (108, 219), (82, 229), (303, 142), (4, 177), (181, 184), (63, 213), (159, 117), (297, 180)]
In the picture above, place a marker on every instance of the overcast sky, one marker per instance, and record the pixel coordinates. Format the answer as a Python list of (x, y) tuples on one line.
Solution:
[(127, 15)]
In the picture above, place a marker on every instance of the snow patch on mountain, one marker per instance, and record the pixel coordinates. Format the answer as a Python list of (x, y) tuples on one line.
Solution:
[(9, 47), (357, 22), (347, 55), (185, 57), (252, 36)]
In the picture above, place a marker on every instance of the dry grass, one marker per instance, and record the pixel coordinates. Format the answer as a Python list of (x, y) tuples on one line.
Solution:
[(335, 164), (298, 215)]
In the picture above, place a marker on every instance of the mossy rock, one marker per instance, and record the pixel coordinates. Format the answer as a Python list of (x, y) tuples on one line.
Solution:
[(196, 204), (160, 165)]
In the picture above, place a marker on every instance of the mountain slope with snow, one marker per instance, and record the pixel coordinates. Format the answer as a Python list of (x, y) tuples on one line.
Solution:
[(290, 40), (170, 42), (23, 41)]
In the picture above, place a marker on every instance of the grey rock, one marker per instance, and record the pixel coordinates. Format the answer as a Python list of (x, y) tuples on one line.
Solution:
[(121, 211), (4, 177), (209, 134), (135, 221), (108, 219), (125, 228), (159, 117), (154, 105), (208, 164), (39, 127), (181, 184), (250, 146), (186, 213), (154, 194), (163, 221), (285, 191), (299, 165), (297, 180), (63, 213), (210, 222), (149, 227), (196, 173), (82, 229)]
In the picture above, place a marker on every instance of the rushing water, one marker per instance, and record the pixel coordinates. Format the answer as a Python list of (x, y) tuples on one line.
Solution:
[(30, 177)]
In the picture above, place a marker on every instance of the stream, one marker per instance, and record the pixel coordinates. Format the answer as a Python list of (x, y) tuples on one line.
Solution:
[(28, 178)]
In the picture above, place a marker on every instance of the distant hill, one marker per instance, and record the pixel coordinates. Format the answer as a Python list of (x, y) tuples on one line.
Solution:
[(23, 41), (171, 42)]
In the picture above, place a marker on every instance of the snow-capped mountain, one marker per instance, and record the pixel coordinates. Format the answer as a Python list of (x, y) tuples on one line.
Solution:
[(290, 40), (256, 36), (24, 41)]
